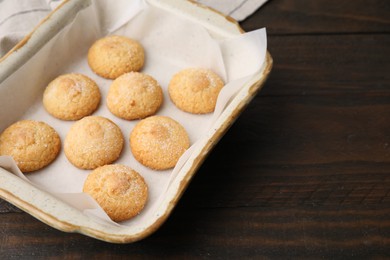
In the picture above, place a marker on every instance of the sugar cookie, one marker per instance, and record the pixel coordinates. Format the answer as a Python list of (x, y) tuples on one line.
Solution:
[(115, 55), (32, 144), (195, 90), (158, 142), (92, 142), (119, 190), (134, 95), (71, 97)]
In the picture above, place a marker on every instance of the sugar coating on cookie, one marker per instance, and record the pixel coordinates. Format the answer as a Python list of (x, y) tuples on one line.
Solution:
[(158, 142), (32, 144), (119, 190), (195, 90), (92, 142), (134, 95), (115, 55), (71, 96)]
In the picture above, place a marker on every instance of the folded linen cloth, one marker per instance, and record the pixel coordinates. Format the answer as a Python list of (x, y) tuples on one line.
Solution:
[(19, 17), (238, 9)]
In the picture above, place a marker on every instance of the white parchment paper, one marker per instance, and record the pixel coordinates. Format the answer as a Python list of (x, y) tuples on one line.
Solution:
[(171, 43)]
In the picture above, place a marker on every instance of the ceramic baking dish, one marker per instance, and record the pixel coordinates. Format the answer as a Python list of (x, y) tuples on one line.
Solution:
[(48, 206)]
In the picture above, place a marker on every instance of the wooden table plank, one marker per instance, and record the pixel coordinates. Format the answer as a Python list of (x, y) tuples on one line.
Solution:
[(315, 130), (222, 233), (322, 17), (329, 64)]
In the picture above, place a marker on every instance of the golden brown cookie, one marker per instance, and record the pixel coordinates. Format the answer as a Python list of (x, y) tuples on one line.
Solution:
[(195, 90), (134, 95), (115, 55), (32, 144), (71, 97), (119, 190), (92, 142), (158, 142)]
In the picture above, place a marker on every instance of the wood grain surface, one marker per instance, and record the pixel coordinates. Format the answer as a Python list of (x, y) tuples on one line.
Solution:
[(303, 173)]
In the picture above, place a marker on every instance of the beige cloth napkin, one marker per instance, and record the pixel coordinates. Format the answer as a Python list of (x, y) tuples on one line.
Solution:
[(18, 17), (238, 9)]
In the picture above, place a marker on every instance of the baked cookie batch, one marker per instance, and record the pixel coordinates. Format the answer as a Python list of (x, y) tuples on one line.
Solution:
[(95, 142)]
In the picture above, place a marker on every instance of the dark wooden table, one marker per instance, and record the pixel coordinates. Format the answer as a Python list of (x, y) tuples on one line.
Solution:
[(304, 172)]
